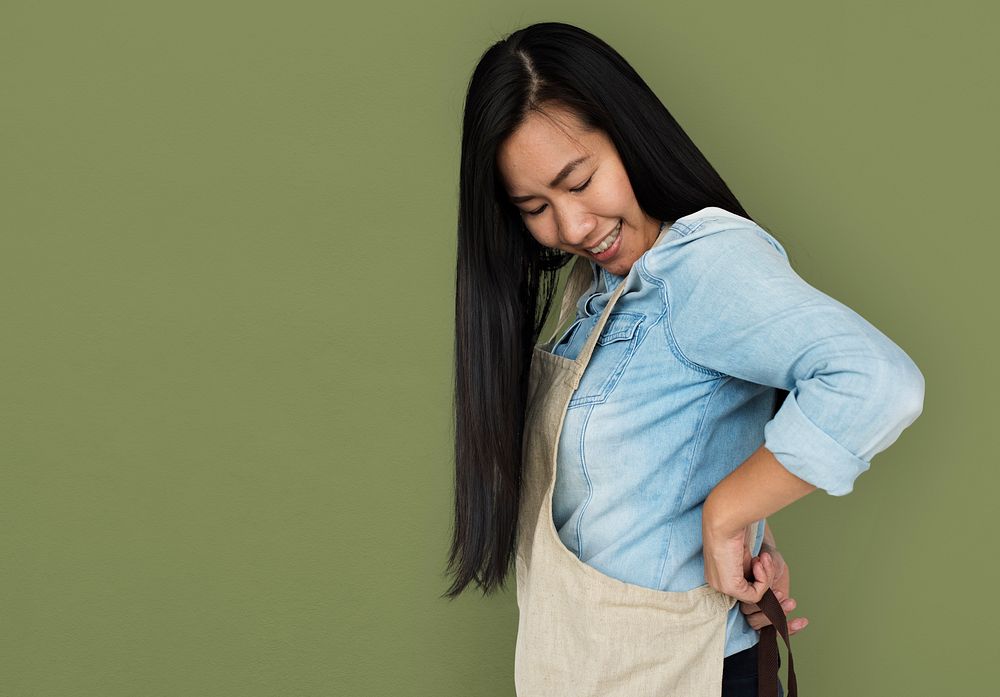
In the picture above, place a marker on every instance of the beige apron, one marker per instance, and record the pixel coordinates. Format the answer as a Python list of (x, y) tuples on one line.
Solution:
[(582, 633)]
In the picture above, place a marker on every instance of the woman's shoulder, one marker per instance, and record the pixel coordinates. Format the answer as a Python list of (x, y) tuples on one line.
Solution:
[(700, 241)]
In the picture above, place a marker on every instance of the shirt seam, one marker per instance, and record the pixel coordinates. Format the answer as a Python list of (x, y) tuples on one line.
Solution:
[(672, 342), (667, 330), (590, 484), (688, 474)]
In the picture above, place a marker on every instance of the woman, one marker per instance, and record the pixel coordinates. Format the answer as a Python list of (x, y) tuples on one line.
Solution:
[(629, 465)]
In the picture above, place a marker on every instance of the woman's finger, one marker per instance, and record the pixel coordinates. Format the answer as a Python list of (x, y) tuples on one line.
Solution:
[(797, 625), (763, 573), (759, 620), (749, 609), (767, 568)]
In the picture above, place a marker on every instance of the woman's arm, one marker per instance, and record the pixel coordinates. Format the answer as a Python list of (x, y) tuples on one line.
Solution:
[(738, 309), (754, 490)]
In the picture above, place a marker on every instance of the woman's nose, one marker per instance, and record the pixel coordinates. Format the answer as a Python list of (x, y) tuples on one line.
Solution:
[(576, 228)]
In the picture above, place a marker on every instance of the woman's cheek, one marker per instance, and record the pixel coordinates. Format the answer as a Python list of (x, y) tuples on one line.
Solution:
[(540, 235), (612, 199)]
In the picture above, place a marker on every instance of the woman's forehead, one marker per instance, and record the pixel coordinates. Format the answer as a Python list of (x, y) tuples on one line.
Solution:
[(539, 150)]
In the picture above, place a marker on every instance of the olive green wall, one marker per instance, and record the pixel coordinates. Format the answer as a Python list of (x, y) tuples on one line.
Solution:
[(227, 240)]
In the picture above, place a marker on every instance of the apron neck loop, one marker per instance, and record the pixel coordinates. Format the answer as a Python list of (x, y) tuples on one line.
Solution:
[(588, 347)]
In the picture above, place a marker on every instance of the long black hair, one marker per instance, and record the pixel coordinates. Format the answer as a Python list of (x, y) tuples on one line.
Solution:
[(506, 281)]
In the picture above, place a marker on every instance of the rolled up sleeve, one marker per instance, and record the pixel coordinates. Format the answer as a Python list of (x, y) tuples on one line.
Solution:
[(736, 306)]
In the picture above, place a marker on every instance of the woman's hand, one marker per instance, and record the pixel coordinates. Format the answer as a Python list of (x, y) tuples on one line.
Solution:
[(728, 563), (780, 586)]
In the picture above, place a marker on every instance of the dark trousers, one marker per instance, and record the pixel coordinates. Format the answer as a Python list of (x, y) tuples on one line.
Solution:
[(739, 674)]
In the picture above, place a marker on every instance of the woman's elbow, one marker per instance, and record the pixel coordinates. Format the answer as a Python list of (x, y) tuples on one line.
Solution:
[(913, 403), (903, 387)]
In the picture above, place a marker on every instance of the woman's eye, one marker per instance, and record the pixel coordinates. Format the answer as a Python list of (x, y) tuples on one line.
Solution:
[(577, 189)]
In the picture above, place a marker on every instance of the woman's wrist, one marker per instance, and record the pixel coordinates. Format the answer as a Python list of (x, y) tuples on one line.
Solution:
[(756, 489), (721, 520)]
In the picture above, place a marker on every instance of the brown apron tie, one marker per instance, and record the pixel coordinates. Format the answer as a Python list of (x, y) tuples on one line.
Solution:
[(767, 651)]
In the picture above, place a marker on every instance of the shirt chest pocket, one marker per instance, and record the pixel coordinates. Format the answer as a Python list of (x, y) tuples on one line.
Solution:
[(611, 355)]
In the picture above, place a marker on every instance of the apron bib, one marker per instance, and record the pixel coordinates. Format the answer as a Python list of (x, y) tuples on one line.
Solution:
[(582, 633)]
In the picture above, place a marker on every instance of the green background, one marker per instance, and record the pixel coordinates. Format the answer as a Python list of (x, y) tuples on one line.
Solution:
[(227, 251)]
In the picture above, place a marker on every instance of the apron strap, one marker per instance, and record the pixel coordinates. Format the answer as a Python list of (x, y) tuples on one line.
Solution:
[(595, 334), (580, 277), (767, 651)]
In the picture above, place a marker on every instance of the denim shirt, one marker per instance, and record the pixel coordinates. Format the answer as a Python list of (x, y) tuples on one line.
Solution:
[(681, 387)]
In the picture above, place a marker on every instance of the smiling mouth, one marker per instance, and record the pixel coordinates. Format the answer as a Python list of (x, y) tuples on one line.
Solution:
[(607, 241)]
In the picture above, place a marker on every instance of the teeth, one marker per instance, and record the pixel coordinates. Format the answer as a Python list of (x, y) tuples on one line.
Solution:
[(608, 241)]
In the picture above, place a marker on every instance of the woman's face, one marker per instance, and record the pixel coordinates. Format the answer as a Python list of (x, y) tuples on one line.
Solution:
[(572, 191)]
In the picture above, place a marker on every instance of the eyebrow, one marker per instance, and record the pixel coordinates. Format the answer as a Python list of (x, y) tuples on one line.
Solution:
[(563, 173)]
